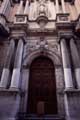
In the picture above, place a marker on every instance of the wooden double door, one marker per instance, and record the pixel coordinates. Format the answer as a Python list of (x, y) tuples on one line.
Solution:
[(42, 87)]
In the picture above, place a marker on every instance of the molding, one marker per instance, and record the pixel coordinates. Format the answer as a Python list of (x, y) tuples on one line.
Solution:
[(71, 90)]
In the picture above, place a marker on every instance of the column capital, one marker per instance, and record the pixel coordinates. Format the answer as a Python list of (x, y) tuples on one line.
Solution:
[(66, 35), (17, 38)]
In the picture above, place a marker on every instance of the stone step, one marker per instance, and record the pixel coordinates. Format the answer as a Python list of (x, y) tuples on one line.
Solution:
[(45, 117)]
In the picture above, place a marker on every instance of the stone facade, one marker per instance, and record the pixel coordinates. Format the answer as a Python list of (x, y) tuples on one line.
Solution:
[(29, 29)]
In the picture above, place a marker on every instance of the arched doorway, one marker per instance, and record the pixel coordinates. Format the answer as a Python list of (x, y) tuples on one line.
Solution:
[(42, 87)]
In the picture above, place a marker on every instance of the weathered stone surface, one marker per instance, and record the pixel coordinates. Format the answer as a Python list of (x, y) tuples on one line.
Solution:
[(47, 22), (9, 105), (72, 104)]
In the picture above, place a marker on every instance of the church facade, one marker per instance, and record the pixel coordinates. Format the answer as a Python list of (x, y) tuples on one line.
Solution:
[(39, 59)]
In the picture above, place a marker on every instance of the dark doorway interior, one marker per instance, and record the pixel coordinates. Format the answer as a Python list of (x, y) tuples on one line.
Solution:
[(42, 87)]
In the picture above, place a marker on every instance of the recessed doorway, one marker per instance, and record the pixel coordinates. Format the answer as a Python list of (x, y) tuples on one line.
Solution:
[(42, 87)]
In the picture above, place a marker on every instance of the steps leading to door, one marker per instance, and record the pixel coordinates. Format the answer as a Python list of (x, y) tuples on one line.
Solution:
[(44, 117)]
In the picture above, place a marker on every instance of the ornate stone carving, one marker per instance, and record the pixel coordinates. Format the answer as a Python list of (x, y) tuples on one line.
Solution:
[(42, 7), (42, 13), (20, 19), (41, 45)]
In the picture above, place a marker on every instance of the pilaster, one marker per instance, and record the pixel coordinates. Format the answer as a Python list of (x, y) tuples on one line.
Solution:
[(6, 70), (63, 6), (66, 65), (15, 81), (72, 104), (76, 61), (57, 6), (26, 7), (19, 11), (24, 88)]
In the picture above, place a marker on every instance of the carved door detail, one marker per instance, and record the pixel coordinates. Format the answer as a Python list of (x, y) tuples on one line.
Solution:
[(42, 87)]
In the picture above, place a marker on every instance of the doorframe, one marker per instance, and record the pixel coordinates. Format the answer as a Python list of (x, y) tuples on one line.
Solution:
[(55, 80)]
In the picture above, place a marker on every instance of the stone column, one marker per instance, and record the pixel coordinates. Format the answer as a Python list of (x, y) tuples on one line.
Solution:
[(76, 61), (77, 5), (19, 11), (66, 65), (6, 70), (57, 6), (63, 6), (15, 81), (26, 8), (25, 87), (5, 7)]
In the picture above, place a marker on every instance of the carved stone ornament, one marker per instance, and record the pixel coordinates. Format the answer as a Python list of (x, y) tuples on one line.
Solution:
[(42, 9)]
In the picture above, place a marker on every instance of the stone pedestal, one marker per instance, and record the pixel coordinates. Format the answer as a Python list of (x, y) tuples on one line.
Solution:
[(72, 104), (9, 104)]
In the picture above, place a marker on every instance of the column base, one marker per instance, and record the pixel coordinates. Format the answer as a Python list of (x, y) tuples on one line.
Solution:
[(72, 104)]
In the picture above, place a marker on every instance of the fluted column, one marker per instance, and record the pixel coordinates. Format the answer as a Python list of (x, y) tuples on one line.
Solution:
[(75, 60), (57, 6), (66, 65), (63, 6), (15, 81), (6, 70), (19, 11), (26, 7)]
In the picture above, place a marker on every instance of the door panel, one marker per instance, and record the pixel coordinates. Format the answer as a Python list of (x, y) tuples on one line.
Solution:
[(42, 87)]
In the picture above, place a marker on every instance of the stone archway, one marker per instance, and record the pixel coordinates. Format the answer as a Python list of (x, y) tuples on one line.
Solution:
[(42, 87)]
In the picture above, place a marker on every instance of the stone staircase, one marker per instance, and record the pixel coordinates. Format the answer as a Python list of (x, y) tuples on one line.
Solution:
[(44, 117)]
